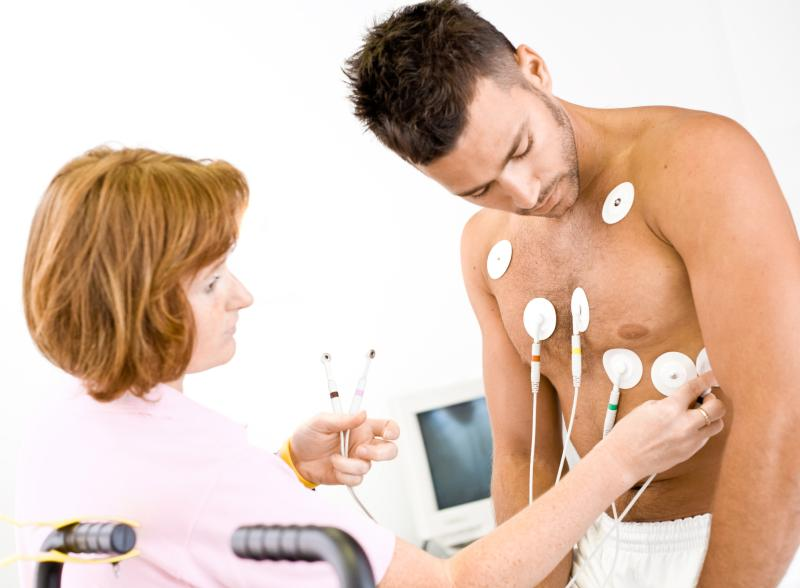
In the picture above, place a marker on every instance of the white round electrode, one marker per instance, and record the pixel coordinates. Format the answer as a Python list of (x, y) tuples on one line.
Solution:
[(539, 318), (499, 259), (614, 358), (580, 310), (672, 370), (618, 203), (703, 365)]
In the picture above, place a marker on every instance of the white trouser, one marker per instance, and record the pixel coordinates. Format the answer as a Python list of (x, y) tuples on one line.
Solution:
[(651, 555)]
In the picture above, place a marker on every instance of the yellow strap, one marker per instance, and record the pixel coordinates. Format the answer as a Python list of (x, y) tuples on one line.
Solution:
[(286, 455), (58, 557), (65, 522)]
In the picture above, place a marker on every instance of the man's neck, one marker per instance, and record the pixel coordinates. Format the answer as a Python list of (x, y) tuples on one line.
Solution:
[(599, 140)]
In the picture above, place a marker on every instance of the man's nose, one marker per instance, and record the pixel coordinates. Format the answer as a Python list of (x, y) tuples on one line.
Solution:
[(523, 190)]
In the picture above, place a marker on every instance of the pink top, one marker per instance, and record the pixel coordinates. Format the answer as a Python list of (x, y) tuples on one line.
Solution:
[(189, 477)]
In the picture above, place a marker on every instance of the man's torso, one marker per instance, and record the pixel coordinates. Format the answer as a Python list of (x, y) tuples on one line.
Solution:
[(640, 299)]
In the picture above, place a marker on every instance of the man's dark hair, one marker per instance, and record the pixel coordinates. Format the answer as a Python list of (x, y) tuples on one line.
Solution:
[(415, 75)]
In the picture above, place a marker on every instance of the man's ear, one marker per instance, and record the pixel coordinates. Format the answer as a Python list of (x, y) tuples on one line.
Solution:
[(533, 68)]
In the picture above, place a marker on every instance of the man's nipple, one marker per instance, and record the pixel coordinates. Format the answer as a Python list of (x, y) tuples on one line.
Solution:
[(632, 331)]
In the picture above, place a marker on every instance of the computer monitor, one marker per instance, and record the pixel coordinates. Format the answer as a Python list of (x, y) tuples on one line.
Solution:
[(446, 451)]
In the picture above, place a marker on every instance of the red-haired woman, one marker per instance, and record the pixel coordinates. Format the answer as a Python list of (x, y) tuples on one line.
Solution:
[(126, 287)]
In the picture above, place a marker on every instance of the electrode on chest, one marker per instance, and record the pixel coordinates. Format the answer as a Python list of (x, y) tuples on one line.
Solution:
[(618, 203), (499, 259)]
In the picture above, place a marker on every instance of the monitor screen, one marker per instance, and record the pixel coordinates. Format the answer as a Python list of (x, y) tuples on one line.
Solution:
[(458, 443)]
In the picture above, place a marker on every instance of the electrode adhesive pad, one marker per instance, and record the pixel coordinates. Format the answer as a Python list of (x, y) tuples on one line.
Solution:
[(618, 203), (539, 318), (672, 370), (633, 367), (499, 259)]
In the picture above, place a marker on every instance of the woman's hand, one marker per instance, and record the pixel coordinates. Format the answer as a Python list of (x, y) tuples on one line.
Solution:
[(316, 451), (660, 434)]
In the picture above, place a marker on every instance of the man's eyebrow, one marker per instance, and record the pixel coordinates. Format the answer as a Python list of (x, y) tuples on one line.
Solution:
[(514, 147)]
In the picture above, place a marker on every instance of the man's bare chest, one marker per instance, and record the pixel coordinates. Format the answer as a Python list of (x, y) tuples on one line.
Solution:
[(637, 286)]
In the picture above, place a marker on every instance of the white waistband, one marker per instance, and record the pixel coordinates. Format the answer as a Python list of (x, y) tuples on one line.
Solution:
[(662, 536)]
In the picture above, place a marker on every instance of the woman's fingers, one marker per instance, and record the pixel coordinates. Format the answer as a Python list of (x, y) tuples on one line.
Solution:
[(347, 479), (367, 444), (691, 390), (386, 428), (350, 465), (705, 432), (377, 451), (714, 407), (711, 411), (712, 381), (716, 427)]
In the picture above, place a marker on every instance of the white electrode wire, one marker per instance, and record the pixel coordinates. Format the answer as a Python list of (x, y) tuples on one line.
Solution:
[(536, 350), (533, 449), (350, 488), (613, 527), (579, 307), (611, 411), (359, 503), (576, 391), (358, 397), (336, 402), (576, 386), (610, 420), (336, 405), (616, 544), (613, 399)]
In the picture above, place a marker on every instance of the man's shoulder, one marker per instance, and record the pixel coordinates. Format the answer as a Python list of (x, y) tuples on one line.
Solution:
[(481, 222), (681, 140), (482, 227), (682, 152)]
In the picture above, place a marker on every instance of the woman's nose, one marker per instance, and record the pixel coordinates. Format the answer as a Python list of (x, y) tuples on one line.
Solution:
[(242, 297)]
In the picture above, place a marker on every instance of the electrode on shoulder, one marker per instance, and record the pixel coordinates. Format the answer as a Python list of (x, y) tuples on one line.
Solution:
[(618, 203), (499, 259)]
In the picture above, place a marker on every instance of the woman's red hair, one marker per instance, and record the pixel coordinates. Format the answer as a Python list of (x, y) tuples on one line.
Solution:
[(116, 235)]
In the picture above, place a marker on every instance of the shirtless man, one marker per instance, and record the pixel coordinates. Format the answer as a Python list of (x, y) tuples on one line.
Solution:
[(708, 256)]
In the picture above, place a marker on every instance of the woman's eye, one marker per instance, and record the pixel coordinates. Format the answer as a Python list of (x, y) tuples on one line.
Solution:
[(211, 284)]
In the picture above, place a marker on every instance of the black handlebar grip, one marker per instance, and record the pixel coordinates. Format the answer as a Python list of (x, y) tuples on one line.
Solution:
[(276, 543), (106, 538), (294, 543), (98, 538)]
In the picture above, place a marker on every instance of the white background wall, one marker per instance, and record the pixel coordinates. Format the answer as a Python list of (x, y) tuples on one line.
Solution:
[(344, 246)]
